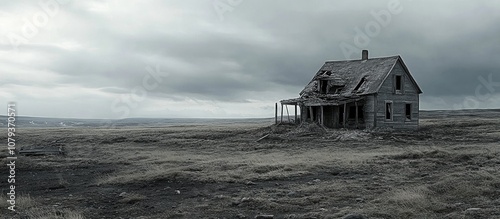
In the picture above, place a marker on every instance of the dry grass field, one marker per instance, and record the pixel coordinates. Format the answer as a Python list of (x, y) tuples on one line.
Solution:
[(447, 169)]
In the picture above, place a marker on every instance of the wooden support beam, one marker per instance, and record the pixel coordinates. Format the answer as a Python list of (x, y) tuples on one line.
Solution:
[(311, 114), (296, 114), (345, 114), (263, 137), (287, 113), (322, 122), (41, 151), (276, 113), (356, 105), (281, 113)]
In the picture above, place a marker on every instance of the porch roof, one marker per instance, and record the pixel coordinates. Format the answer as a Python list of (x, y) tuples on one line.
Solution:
[(328, 100)]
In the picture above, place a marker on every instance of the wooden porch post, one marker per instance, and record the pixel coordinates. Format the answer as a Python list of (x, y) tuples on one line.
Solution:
[(356, 105), (281, 121), (322, 116), (311, 114), (276, 113), (287, 113), (345, 113), (296, 114)]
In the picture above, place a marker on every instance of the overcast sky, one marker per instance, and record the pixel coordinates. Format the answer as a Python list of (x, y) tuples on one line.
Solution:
[(233, 58)]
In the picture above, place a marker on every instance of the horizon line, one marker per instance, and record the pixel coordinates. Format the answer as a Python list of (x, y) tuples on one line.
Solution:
[(49, 117)]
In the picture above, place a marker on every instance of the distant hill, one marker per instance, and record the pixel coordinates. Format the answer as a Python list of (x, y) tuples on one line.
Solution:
[(485, 113), (24, 121)]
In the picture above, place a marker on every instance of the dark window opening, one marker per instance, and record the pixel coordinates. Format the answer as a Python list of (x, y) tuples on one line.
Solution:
[(388, 111), (359, 84), (398, 82), (331, 90), (408, 111), (312, 113), (361, 113), (352, 112), (323, 86)]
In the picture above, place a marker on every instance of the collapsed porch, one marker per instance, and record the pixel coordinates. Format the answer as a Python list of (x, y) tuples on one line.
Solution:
[(339, 112)]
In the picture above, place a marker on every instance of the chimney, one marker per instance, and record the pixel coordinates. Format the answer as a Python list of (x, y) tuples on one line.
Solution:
[(364, 55)]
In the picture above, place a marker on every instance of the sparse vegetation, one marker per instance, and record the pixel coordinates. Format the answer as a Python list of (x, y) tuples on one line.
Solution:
[(29, 208), (447, 169)]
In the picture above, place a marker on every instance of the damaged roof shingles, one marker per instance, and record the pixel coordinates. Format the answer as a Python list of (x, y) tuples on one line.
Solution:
[(351, 72)]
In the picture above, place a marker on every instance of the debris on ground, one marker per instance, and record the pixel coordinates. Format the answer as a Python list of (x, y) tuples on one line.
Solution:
[(354, 216), (283, 132), (263, 137), (39, 151), (264, 217), (307, 129), (350, 135)]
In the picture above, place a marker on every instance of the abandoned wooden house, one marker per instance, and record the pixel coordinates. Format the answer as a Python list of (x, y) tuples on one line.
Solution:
[(366, 93)]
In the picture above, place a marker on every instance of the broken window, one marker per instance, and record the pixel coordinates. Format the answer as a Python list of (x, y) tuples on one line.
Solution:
[(408, 111), (399, 82), (388, 111), (323, 86), (336, 89), (359, 84)]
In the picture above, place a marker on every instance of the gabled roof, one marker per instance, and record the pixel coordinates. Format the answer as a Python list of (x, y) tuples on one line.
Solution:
[(350, 74)]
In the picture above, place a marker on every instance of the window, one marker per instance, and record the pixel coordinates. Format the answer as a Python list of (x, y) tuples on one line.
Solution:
[(323, 86), (399, 83), (408, 111), (359, 84), (336, 89), (388, 110)]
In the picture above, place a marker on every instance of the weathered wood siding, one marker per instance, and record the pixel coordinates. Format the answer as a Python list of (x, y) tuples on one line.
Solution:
[(369, 109), (408, 95), (303, 113)]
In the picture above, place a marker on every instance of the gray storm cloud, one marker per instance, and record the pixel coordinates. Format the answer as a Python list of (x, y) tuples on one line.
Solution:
[(250, 52)]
